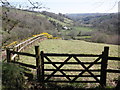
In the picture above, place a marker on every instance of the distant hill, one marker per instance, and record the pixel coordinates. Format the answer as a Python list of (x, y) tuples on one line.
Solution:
[(105, 22), (79, 16)]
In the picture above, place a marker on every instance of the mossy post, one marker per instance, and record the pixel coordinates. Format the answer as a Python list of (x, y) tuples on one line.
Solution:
[(18, 55), (42, 65), (15, 57), (8, 55), (38, 69), (104, 66)]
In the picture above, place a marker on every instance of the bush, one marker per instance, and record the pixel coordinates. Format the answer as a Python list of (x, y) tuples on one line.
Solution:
[(99, 37), (113, 39), (12, 76), (72, 34)]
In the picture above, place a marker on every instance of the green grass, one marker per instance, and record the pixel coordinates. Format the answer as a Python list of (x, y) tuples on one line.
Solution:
[(67, 22), (74, 47), (86, 29), (77, 30), (41, 15), (83, 37), (57, 21)]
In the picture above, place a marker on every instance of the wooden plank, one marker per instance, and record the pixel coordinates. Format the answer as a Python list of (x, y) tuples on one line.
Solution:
[(26, 65), (114, 58), (26, 41), (78, 55), (73, 70), (71, 75), (112, 71), (23, 53), (71, 63), (22, 45), (70, 81)]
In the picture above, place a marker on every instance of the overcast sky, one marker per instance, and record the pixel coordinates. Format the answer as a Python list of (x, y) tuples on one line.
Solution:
[(77, 6)]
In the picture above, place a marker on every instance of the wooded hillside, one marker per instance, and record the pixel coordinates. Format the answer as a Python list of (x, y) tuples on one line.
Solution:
[(21, 24)]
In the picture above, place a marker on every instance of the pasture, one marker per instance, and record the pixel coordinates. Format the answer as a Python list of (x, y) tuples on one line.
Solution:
[(76, 47)]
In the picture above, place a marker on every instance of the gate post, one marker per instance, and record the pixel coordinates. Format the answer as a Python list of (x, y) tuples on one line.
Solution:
[(15, 57), (37, 52), (104, 66), (42, 66), (8, 55), (18, 54)]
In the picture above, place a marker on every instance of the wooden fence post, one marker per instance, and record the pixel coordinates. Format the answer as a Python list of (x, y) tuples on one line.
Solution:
[(18, 55), (104, 66), (38, 69), (8, 55), (15, 57), (42, 66)]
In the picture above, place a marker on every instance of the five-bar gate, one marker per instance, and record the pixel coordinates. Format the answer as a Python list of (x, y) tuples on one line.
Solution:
[(101, 59)]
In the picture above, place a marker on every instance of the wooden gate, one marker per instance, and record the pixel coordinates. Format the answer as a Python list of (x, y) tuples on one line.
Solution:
[(42, 59), (101, 60)]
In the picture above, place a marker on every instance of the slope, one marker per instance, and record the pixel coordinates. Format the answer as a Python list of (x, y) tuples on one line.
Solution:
[(20, 24)]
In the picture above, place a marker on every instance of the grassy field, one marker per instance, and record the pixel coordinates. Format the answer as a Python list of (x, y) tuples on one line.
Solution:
[(75, 47), (67, 22), (85, 29)]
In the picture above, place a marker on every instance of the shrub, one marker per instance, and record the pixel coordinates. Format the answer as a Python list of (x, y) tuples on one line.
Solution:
[(99, 37), (113, 39), (12, 76), (72, 34)]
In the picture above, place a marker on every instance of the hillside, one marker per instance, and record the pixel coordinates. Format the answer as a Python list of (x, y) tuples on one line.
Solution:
[(20, 24), (106, 26), (96, 27), (107, 22), (79, 16)]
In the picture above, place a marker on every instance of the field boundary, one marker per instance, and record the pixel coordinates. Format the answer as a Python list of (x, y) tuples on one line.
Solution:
[(40, 56)]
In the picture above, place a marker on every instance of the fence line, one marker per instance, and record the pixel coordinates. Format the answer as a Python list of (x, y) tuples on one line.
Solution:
[(40, 64), (23, 45)]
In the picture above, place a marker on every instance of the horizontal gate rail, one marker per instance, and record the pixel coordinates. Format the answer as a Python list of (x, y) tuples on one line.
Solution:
[(71, 63), (78, 55), (69, 70), (114, 58), (72, 75), (112, 71), (71, 81)]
